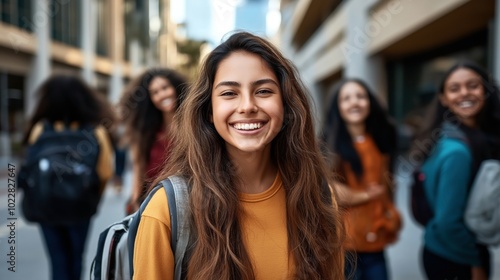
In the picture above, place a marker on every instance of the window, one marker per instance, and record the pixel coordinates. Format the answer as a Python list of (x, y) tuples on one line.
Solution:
[(17, 12), (65, 17)]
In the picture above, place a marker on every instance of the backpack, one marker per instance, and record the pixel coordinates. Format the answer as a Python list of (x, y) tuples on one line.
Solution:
[(115, 248), (420, 208), (482, 214), (59, 177)]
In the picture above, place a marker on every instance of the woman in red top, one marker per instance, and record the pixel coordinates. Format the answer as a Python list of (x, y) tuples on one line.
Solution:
[(148, 108), (360, 134)]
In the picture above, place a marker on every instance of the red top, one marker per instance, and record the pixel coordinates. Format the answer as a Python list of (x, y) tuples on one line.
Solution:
[(159, 153)]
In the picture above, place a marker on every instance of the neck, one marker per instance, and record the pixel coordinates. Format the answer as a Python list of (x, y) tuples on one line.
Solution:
[(469, 122), (167, 118), (255, 171), (356, 130)]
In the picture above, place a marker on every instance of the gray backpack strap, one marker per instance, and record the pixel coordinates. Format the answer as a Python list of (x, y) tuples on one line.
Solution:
[(178, 203)]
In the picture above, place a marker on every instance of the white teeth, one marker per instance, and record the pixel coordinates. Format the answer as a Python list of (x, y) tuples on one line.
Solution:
[(466, 104), (247, 126), (167, 102)]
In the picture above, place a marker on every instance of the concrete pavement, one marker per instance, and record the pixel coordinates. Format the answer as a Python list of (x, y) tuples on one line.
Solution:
[(32, 263)]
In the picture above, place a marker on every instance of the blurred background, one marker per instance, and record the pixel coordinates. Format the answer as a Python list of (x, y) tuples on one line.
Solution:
[(400, 47)]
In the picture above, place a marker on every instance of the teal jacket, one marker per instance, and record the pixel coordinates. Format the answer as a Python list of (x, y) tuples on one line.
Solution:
[(447, 178)]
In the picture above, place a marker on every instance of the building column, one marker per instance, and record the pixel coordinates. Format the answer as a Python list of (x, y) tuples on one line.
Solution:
[(117, 50), (40, 68), (496, 43), (88, 39), (359, 63), (5, 147)]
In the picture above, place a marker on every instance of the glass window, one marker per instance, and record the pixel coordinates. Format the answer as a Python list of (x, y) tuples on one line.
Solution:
[(16, 12), (65, 18), (103, 25)]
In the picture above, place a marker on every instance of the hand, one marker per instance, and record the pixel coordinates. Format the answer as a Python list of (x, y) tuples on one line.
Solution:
[(375, 191), (478, 273)]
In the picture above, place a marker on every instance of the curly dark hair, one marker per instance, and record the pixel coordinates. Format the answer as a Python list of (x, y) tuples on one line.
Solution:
[(140, 116), (69, 99)]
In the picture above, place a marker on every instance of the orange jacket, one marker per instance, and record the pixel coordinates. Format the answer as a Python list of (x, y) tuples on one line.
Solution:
[(373, 225)]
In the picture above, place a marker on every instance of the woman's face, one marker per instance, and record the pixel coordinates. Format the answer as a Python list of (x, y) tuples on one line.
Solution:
[(162, 94), (354, 104), (247, 103), (463, 94)]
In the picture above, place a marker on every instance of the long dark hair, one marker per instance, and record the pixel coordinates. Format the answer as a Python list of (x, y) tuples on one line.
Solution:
[(378, 124), (315, 233), (140, 116), (69, 99), (488, 119)]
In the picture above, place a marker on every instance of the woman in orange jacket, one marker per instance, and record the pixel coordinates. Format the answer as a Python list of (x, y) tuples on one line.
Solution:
[(360, 134)]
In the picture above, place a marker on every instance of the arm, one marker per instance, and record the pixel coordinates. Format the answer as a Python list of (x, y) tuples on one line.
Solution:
[(348, 197), (447, 228), (137, 178), (105, 160)]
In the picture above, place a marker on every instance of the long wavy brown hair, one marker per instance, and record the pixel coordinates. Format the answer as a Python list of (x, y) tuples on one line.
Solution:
[(315, 231)]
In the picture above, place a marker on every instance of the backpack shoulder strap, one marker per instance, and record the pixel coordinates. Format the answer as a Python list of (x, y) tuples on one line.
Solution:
[(178, 203)]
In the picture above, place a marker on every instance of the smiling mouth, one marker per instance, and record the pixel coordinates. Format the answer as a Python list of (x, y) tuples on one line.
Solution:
[(466, 104), (355, 110), (167, 102), (247, 126)]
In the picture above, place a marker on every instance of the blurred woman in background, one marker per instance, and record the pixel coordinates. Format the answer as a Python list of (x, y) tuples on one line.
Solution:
[(464, 130), (363, 140), (67, 104), (148, 107)]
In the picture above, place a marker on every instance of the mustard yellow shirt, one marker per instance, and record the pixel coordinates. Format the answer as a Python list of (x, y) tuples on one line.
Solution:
[(264, 231)]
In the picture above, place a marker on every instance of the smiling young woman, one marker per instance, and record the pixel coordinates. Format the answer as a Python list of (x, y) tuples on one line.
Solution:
[(363, 139), (259, 201), (147, 109), (467, 119)]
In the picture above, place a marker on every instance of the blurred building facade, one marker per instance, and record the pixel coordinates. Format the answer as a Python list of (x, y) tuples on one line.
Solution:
[(106, 42), (400, 47)]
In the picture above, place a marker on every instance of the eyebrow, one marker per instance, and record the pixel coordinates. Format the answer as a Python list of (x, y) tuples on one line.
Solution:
[(254, 83)]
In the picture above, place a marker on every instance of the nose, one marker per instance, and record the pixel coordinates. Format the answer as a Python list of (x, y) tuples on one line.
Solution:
[(247, 104), (464, 90)]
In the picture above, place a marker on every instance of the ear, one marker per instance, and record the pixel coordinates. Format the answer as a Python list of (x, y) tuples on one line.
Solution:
[(443, 100)]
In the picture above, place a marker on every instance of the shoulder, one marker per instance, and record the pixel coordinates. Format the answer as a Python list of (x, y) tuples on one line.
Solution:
[(157, 207), (36, 131), (450, 147), (101, 133)]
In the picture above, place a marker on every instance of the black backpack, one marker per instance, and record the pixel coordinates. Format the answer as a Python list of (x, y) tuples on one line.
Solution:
[(59, 177), (420, 207)]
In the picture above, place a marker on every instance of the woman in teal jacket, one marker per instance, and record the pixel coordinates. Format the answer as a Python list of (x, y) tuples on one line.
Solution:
[(464, 131)]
